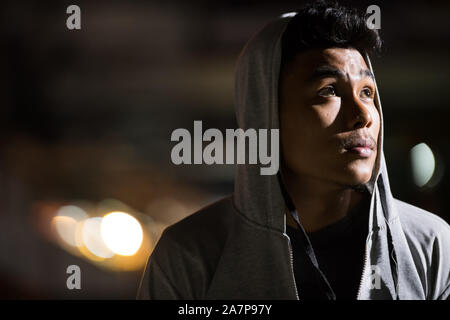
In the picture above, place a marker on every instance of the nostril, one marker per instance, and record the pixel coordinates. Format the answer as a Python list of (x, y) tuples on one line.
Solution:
[(359, 122), (362, 120)]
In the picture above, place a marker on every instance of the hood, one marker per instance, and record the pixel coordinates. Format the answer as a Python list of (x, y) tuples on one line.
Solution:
[(260, 197)]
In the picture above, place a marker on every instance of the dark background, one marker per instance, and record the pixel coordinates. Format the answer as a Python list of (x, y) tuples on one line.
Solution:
[(87, 115)]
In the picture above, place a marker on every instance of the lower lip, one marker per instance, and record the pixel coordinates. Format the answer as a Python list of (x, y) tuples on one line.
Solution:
[(361, 151)]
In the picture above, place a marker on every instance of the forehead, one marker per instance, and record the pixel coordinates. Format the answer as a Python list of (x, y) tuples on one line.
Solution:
[(348, 60)]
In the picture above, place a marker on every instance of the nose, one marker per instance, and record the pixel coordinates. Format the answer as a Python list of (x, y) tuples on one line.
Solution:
[(359, 115)]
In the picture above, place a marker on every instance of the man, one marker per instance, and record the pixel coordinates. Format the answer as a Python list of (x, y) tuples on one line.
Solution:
[(326, 226)]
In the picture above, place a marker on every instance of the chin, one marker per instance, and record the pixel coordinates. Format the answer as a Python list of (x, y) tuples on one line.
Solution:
[(357, 175)]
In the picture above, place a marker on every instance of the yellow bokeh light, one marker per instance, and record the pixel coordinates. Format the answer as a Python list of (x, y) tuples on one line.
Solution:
[(122, 233)]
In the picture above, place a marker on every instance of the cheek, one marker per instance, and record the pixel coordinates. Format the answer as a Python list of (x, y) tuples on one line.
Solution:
[(303, 138), (304, 127), (324, 115)]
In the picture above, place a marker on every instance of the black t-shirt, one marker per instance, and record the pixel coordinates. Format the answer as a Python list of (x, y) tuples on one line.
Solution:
[(339, 249)]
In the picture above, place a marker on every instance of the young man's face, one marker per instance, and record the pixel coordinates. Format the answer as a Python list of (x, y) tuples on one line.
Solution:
[(326, 104)]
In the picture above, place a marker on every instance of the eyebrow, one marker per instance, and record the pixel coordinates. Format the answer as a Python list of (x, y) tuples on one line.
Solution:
[(327, 71)]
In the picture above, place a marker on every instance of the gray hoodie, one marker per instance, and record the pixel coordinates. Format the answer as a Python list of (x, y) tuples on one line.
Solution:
[(237, 248)]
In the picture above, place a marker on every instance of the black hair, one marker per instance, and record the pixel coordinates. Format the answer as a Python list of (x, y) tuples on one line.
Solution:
[(326, 24)]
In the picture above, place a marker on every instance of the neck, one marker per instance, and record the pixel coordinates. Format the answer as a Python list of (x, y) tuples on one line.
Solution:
[(319, 203)]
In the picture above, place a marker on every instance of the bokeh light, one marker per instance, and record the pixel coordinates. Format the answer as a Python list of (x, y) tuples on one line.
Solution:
[(422, 163), (92, 239), (66, 221), (122, 233)]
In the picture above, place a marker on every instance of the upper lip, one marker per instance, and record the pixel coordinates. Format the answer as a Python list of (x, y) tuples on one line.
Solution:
[(354, 142)]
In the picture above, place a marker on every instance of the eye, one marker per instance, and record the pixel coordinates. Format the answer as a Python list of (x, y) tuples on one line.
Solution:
[(327, 91), (367, 92)]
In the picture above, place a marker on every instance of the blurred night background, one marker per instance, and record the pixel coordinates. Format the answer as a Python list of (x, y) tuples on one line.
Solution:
[(87, 115)]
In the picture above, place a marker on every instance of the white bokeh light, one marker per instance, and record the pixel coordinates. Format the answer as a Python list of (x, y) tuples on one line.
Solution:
[(66, 222), (422, 163), (122, 233), (92, 239)]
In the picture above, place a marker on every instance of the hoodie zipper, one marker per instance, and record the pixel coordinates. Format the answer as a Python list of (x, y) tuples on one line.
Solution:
[(291, 255), (364, 269)]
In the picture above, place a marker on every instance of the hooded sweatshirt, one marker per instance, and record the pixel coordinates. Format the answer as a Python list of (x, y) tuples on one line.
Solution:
[(238, 248)]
